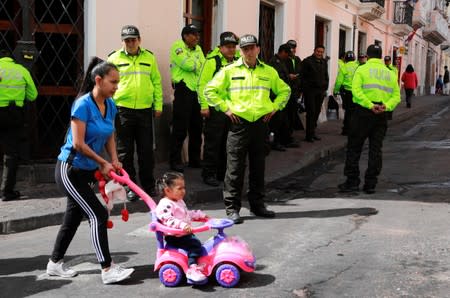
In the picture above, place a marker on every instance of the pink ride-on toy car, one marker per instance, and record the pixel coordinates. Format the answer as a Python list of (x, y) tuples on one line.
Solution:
[(224, 256)]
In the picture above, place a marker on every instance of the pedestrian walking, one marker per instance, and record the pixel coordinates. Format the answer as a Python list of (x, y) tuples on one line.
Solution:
[(173, 213), (314, 82), (410, 82), (186, 60), (343, 86), (138, 98), (439, 85), (16, 88), (91, 131), (242, 91), (446, 81), (375, 92), (216, 122)]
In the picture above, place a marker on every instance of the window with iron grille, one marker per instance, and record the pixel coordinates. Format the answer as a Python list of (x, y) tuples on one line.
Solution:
[(55, 28)]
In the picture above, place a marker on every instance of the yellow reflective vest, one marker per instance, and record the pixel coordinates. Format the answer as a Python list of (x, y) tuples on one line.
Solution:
[(16, 83), (246, 91), (374, 82), (345, 76), (140, 80), (185, 64), (208, 71)]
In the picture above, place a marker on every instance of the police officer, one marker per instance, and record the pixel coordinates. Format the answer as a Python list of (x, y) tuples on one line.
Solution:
[(186, 60), (388, 63), (216, 123), (139, 95), (375, 91), (294, 67), (390, 66), (279, 124), (242, 91), (16, 86), (314, 82), (343, 85)]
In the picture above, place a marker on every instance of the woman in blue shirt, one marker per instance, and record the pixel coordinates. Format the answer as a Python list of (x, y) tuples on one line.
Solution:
[(91, 130)]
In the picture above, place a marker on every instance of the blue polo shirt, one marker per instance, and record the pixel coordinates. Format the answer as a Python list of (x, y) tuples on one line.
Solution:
[(98, 130)]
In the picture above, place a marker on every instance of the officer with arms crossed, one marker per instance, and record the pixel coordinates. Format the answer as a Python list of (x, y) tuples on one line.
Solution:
[(375, 92), (16, 86), (186, 60), (216, 123), (138, 96), (242, 91)]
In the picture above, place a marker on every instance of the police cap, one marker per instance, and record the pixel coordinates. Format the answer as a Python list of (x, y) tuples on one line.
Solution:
[(374, 51), (228, 37), (190, 29), (247, 40), (292, 43), (129, 31), (349, 56)]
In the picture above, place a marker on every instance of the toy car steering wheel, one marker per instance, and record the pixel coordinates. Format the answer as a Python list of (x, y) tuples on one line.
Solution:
[(219, 223)]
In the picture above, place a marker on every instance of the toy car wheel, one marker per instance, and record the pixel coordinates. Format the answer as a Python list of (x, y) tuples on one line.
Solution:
[(170, 275), (227, 275)]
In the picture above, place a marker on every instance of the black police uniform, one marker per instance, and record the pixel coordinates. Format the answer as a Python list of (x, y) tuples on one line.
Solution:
[(314, 83)]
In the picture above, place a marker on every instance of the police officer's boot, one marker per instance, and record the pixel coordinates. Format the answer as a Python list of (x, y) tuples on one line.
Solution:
[(10, 165)]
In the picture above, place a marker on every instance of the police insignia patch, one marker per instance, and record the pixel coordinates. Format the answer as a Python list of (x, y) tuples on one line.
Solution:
[(178, 51)]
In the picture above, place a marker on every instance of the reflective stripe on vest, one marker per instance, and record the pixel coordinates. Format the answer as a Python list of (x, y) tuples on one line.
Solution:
[(379, 87)]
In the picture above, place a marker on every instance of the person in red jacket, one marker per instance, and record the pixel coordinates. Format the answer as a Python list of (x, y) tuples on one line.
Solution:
[(410, 82)]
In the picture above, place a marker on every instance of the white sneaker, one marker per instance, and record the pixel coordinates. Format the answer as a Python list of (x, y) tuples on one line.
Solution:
[(115, 274), (195, 274), (58, 269)]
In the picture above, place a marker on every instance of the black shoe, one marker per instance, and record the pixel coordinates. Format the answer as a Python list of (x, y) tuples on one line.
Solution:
[(132, 196), (344, 133), (10, 196), (309, 139), (316, 138), (177, 167), (347, 187), (278, 147), (292, 145), (408, 105), (211, 180), (262, 212), (235, 217), (368, 189)]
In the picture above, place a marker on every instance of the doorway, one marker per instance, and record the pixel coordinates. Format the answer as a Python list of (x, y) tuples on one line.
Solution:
[(266, 31)]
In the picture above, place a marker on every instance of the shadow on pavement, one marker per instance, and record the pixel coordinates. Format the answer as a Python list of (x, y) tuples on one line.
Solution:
[(24, 286), (366, 211)]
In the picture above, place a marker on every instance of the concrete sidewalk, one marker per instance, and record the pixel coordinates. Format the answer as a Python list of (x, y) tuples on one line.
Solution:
[(44, 205)]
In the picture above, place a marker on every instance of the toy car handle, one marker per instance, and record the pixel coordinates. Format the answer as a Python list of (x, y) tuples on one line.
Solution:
[(156, 226), (124, 178)]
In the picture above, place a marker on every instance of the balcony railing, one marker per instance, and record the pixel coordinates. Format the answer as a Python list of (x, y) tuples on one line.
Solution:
[(379, 2), (436, 30), (403, 13), (419, 15)]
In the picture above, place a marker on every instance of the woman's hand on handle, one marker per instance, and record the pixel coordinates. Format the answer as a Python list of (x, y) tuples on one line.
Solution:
[(117, 165), (106, 168)]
